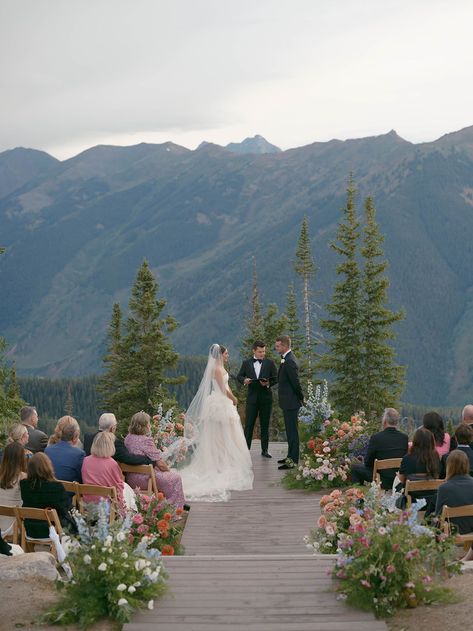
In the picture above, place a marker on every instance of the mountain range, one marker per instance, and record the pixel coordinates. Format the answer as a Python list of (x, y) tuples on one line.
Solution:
[(77, 230)]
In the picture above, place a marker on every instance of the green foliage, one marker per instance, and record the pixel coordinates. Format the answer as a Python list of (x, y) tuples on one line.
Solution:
[(10, 399), (139, 357), (359, 355), (382, 380), (112, 577), (344, 358), (293, 327), (304, 267)]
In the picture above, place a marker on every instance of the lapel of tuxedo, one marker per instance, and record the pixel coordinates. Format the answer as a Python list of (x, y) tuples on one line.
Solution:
[(252, 368)]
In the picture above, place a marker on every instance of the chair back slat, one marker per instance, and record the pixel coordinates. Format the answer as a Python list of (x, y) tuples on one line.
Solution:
[(457, 511), (48, 515), (381, 465), (108, 492), (9, 511), (144, 469), (415, 486)]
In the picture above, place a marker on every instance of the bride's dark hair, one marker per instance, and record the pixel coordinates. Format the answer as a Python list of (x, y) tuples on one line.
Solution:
[(222, 349)]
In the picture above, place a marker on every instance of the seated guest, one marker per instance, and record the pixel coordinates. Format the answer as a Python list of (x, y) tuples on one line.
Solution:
[(41, 490), (467, 419), (37, 440), (140, 441), (9, 549), (19, 434), (389, 443), (421, 463), (101, 469), (65, 455), (457, 490), (463, 439), (56, 435), (12, 470), (108, 423), (434, 422)]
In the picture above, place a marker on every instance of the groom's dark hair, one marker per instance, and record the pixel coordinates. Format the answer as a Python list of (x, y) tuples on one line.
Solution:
[(258, 344)]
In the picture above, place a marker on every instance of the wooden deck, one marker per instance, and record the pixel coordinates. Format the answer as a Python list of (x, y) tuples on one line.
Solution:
[(246, 566)]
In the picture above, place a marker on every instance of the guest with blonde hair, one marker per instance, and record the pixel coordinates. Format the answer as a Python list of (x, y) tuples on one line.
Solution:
[(19, 434), (101, 469), (12, 471), (140, 441)]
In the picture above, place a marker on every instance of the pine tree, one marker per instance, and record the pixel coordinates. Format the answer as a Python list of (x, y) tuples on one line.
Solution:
[(345, 355), (69, 404), (143, 355), (110, 381), (293, 325), (305, 268), (13, 392), (382, 379), (10, 399)]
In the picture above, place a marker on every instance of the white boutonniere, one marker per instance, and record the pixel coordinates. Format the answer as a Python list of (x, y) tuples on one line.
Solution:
[(282, 360)]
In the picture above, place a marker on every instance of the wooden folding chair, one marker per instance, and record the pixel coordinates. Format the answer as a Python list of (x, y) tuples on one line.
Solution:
[(415, 486), (459, 511), (11, 534), (381, 465), (71, 487), (108, 492), (48, 515), (145, 469)]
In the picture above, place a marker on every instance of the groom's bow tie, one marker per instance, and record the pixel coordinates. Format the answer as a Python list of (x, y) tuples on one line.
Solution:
[(258, 360)]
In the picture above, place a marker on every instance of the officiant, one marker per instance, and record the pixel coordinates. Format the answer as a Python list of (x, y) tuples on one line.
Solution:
[(258, 374)]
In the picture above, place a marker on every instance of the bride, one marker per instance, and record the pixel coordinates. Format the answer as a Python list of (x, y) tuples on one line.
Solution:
[(220, 461)]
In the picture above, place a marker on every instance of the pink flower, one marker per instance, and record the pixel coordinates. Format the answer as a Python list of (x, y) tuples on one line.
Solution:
[(137, 519), (390, 569), (365, 583), (143, 529), (426, 580), (411, 554)]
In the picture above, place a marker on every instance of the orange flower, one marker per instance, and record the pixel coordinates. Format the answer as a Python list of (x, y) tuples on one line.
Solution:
[(179, 511), (167, 516), (167, 550), (162, 524), (160, 496), (340, 433), (311, 444)]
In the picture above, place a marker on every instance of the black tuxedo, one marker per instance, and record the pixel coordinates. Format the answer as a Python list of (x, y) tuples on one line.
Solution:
[(389, 443), (259, 399), (290, 400)]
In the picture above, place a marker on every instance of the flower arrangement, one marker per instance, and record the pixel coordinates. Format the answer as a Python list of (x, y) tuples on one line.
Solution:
[(159, 523), (168, 430), (388, 560), (326, 458), (316, 409), (340, 510), (111, 576)]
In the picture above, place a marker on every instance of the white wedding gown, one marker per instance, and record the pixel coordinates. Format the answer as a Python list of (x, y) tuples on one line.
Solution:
[(221, 461)]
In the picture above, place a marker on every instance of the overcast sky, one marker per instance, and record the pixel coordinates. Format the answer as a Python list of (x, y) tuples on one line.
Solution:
[(76, 73)]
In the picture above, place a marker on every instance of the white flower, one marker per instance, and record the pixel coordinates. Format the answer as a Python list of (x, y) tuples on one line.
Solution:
[(108, 541), (121, 587), (121, 536), (102, 567), (137, 584), (132, 589), (151, 604), (146, 571), (140, 564), (122, 601), (87, 559), (124, 555), (154, 576)]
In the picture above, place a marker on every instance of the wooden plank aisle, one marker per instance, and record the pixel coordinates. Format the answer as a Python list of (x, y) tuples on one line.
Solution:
[(246, 566)]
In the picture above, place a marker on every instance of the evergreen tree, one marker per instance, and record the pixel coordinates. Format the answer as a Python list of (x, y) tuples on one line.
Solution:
[(10, 399), (382, 379), (305, 268), (345, 355), (69, 404), (293, 325), (110, 381), (143, 354)]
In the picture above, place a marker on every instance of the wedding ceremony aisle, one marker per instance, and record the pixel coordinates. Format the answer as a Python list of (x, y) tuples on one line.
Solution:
[(246, 566)]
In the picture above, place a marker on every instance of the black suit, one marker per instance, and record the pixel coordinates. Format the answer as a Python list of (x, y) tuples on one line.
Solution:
[(37, 440), (121, 452), (259, 399), (290, 400), (443, 462), (390, 443)]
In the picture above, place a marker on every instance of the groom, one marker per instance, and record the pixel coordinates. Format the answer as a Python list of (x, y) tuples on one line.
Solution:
[(290, 399), (259, 374)]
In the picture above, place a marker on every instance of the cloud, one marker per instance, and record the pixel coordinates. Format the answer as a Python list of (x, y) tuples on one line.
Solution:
[(82, 73)]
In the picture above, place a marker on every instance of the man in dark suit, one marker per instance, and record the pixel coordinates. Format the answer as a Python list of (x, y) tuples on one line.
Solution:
[(290, 399), (467, 419), (37, 440), (463, 441), (108, 423), (259, 374), (389, 443)]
